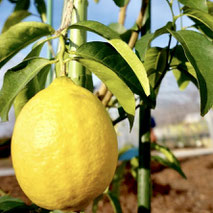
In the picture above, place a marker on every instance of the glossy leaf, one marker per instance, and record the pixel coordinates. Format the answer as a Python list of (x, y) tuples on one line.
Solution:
[(101, 59), (114, 202), (19, 36), (15, 18), (97, 28), (199, 15), (202, 60), (121, 3), (170, 160), (107, 55), (41, 8), (16, 79), (124, 50), (133, 61), (196, 4)]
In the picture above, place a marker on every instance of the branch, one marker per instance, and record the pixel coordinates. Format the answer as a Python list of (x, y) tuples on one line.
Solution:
[(139, 22)]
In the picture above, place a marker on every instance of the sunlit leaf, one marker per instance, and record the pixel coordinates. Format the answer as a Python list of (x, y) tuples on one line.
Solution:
[(170, 160), (197, 4), (19, 36), (133, 61), (16, 79), (108, 74), (199, 51), (15, 18), (97, 28), (124, 50)]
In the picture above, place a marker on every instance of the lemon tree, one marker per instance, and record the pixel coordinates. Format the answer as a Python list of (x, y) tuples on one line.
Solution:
[(64, 146)]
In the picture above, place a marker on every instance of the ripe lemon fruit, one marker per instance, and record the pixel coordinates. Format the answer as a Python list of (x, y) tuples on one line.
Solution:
[(64, 147)]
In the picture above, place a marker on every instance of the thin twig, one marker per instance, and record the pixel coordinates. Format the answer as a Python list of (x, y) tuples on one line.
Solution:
[(135, 34), (122, 14)]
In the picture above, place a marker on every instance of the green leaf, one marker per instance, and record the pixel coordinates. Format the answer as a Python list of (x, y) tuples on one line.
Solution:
[(97, 28), (202, 60), (170, 160), (98, 58), (142, 44), (196, 4), (145, 41), (199, 15), (121, 3), (19, 36), (124, 50), (36, 84), (182, 69), (133, 61), (109, 57), (118, 178), (15, 18), (182, 79), (8, 203), (155, 64), (163, 30), (130, 118), (22, 5), (114, 202), (202, 28), (118, 28), (16, 79), (41, 8)]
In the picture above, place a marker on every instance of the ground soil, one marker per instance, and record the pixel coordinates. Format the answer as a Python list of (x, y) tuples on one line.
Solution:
[(171, 193)]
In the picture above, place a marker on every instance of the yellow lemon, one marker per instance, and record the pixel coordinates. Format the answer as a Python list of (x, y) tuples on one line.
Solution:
[(64, 147)]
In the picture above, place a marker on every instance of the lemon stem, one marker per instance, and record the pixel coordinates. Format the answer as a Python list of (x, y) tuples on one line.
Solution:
[(62, 70)]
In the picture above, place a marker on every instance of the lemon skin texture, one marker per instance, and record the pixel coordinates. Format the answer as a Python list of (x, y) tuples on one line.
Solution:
[(64, 147)]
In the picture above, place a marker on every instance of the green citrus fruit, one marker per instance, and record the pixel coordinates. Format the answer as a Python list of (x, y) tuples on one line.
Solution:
[(64, 147)]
